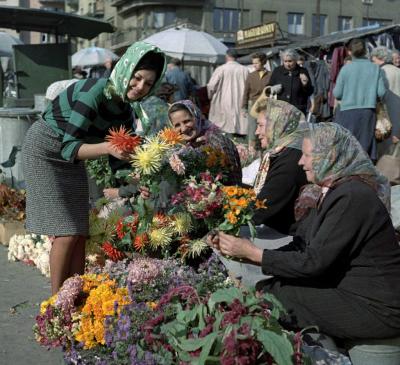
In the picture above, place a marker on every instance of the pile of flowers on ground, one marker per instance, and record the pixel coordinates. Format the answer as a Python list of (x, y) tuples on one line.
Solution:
[(31, 249), (151, 311), (12, 203)]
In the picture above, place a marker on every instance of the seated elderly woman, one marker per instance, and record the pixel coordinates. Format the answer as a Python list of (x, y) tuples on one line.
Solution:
[(187, 119), (342, 271), (280, 177)]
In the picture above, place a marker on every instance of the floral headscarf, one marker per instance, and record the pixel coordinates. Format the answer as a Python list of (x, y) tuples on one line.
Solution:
[(338, 157), (118, 81), (202, 125), (283, 129)]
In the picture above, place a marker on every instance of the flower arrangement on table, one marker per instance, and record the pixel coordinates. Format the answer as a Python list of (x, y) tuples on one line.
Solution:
[(31, 249)]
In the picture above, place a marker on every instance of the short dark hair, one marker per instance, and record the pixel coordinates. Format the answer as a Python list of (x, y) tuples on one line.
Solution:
[(153, 61), (357, 48), (261, 56), (231, 52)]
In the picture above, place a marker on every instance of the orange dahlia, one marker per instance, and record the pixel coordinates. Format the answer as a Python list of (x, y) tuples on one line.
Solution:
[(140, 241), (122, 139), (113, 253), (171, 136)]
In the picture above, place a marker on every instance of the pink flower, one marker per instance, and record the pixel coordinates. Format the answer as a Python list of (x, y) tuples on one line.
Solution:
[(177, 164)]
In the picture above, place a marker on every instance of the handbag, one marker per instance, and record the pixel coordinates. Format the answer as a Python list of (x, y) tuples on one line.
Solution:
[(266, 94), (383, 127), (389, 165)]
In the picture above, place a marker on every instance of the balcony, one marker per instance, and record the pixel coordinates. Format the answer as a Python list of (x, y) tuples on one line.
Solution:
[(96, 9), (139, 4), (122, 39)]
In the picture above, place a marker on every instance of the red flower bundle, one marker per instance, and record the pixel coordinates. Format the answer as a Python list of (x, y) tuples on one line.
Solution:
[(111, 252)]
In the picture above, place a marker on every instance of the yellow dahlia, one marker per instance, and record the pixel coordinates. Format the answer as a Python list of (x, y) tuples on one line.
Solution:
[(182, 223), (196, 248), (160, 237), (156, 145), (146, 161)]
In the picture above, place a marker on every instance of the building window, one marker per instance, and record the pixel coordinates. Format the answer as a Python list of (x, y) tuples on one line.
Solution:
[(322, 25), (162, 19), (296, 23), (268, 17), (371, 21), (345, 23), (226, 20)]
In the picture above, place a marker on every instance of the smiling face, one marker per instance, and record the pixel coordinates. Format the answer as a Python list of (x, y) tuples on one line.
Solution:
[(261, 131), (140, 84), (307, 159), (289, 63), (185, 124)]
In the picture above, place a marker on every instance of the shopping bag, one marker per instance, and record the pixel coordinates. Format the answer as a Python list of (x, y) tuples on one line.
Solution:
[(266, 93), (389, 165), (383, 128)]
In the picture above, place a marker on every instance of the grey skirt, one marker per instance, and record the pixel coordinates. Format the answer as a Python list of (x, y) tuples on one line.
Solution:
[(57, 196)]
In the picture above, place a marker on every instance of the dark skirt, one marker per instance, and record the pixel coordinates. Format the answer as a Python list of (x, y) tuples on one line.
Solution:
[(336, 312), (361, 123), (57, 197)]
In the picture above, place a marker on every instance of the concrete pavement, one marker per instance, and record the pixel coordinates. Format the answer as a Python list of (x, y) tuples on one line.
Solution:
[(22, 288)]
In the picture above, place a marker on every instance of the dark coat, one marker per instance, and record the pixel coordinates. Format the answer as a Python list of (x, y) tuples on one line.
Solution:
[(343, 267), (293, 90), (281, 188)]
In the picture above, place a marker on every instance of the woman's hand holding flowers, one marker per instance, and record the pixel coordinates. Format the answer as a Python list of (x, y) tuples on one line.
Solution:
[(117, 153), (235, 247), (144, 192)]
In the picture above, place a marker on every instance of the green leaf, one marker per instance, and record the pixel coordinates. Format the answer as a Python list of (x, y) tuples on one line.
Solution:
[(226, 295), (193, 344), (277, 307), (253, 231), (205, 352), (278, 346)]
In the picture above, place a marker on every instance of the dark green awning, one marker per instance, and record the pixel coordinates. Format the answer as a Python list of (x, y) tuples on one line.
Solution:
[(52, 22)]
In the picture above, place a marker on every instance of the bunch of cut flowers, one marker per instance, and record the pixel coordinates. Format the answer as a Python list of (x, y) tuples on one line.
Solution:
[(220, 207), (31, 249), (165, 236), (77, 312), (228, 326), (147, 280)]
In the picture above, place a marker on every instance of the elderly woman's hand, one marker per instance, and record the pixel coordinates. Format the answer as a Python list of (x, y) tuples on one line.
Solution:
[(239, 247), (144, 192), (213, 239)]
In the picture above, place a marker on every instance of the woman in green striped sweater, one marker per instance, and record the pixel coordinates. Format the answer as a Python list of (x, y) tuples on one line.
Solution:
[(72, 130)]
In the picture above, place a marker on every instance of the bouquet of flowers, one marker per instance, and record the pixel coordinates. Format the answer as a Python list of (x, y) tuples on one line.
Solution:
[(31, 249), (225, 208), (229, 326), (77, 312)]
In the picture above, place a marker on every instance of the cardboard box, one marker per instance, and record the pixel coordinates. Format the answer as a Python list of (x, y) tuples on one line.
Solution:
[(9, 229)]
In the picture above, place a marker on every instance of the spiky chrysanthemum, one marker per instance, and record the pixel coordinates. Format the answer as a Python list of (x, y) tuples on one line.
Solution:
[(182, 223), (122, 139), (171, 136), (160, 237), (157, 145), (146, 161), (196, 248), (160, 220)]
